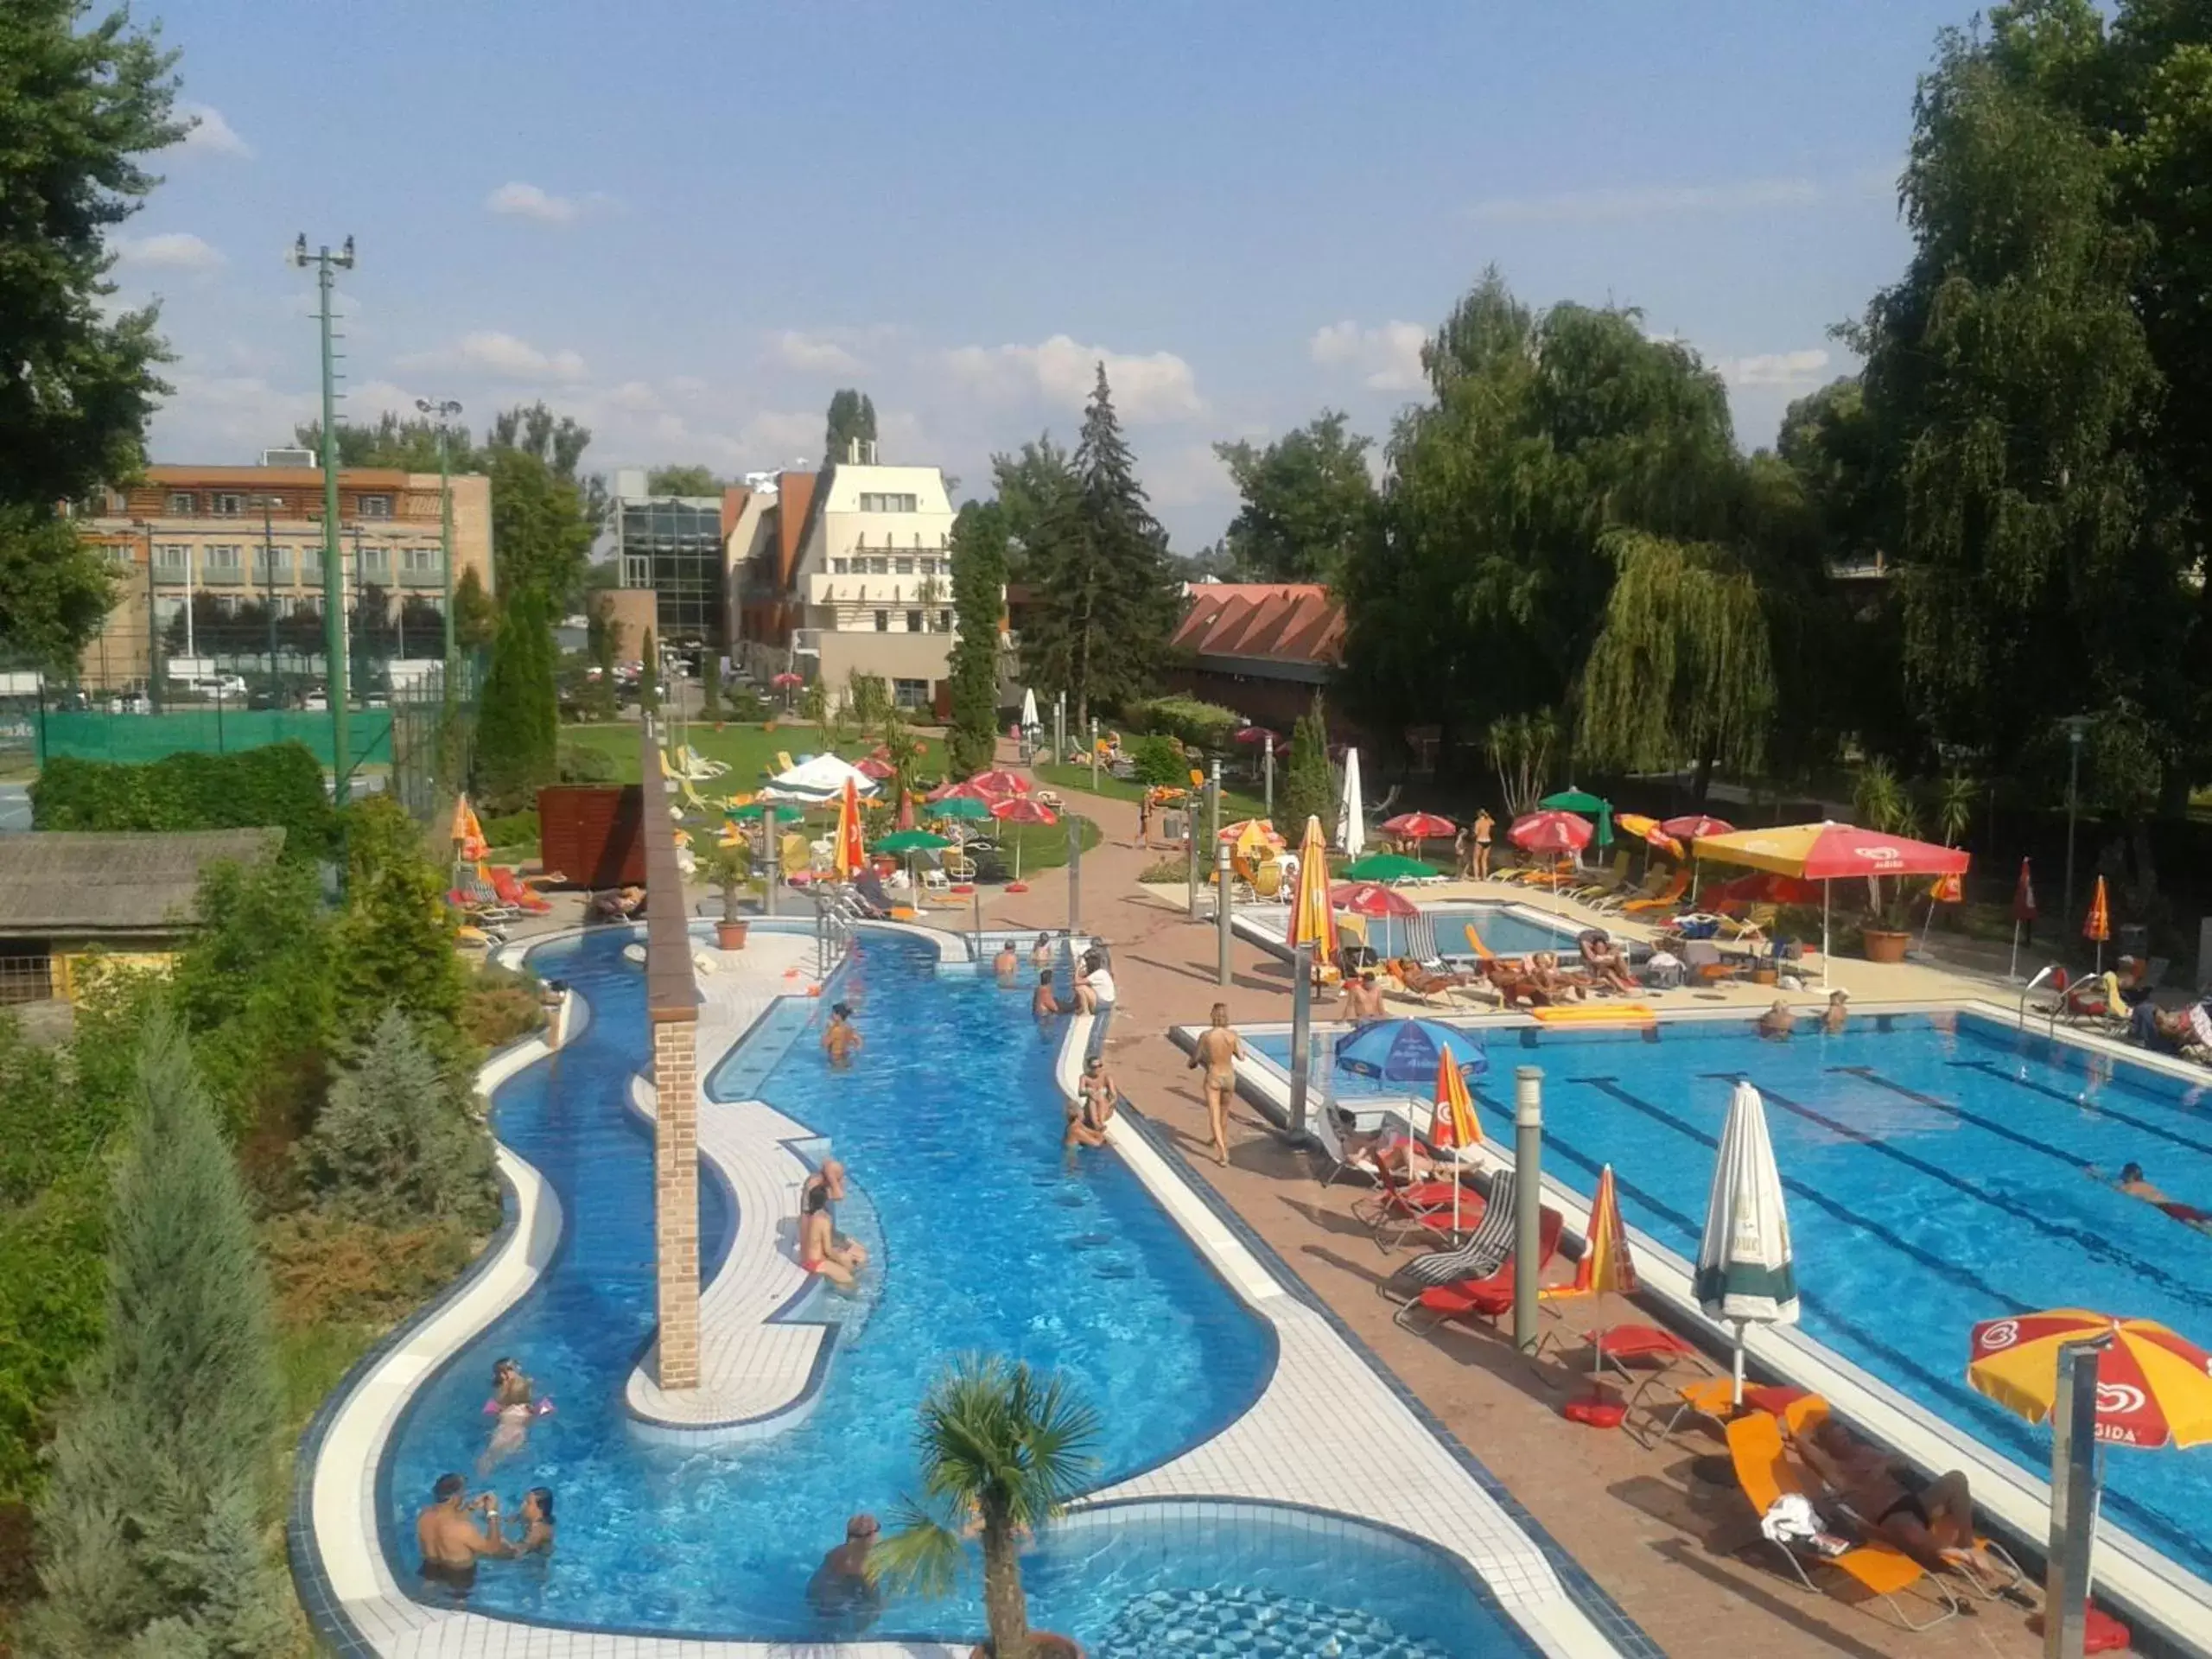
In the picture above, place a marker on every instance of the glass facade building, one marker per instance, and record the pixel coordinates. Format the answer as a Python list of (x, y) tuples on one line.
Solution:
[(673, 544)]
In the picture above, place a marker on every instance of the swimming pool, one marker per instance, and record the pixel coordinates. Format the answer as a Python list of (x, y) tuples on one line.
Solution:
[(1509, 930), (950, 1126), (1937, 1170)]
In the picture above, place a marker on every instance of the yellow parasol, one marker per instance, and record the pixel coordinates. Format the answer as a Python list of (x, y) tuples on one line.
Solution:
[(467, 833), (2097, 924), (1605, 1264), (2152, 1385), (1312, 919), (1454, 1126)]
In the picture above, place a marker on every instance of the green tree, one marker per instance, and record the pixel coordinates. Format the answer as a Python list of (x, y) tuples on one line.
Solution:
[(518, 725), (710, 692), (396, 1145), (868, 700), (1105, 595), (979, 548), (1010, 1448), (852, 415), (649, 674), (410, 443), (1032, 482), (1309, 785), (475, 613), (682, 480), (1307, 497), (393, 943), (81, 109), (542, 526), (151, 1528)]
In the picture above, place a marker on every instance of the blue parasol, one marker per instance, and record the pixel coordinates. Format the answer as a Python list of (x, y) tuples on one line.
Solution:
[(1408, 1050)]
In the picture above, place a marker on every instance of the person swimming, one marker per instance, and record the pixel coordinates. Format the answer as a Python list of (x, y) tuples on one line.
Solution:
[(2132, 1183), (840, 1042), (514, 1403)]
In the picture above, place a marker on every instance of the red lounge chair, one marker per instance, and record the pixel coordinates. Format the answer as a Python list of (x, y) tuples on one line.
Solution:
[(511, 891), (1397, 1211), (1490, 1298)]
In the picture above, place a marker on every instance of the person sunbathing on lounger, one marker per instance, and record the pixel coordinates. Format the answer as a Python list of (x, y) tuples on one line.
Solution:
[(1559, 986), (1931, 1521), (2133, 1183), (1606, 967)]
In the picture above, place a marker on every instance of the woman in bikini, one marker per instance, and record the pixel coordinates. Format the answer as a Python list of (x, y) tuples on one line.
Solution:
[(1218, 1049), (513, 1403), (818, 1242), (1092, 1109)]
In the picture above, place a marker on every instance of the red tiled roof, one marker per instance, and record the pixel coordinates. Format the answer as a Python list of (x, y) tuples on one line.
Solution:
[(1291, 622)]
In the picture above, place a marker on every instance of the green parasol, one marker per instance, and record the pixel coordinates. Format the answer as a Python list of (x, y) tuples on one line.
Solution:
[(912, 840), (957, 806), (1385, 867), (749, 813), (1571, 799)]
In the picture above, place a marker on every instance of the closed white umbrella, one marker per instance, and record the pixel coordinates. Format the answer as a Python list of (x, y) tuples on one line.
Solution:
[(1029, 721), (1351, 821), (1745, 1274)]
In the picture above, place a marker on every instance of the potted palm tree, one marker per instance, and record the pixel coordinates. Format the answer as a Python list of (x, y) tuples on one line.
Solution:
[(1002, 1451), (730, 867)]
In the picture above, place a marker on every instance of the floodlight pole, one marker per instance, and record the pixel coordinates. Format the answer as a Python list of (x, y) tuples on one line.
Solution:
[(442, 409), (326, 265)]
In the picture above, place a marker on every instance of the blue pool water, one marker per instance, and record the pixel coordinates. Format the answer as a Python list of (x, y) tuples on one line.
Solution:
[(1937, 1168), (950, 1126), (1505, 930)]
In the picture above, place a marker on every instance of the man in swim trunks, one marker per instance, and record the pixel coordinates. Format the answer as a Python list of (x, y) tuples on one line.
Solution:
[(452, 1542), (1218, 1049), (840, 1591), (2131, 1183), (1837, 1015), (1042, 1002), (1006, 964), (1092, 1109), (840, 1042), (1362, 997), (1777, 1021), (818, 1251), (831, 1180), (1931, 1521)]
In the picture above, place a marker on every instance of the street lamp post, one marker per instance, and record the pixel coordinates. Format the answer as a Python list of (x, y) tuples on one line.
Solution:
[(326, 265), (2077, 727), (267, 503), (442, 409)]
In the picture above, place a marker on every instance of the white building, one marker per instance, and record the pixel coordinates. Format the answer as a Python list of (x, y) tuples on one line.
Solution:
[(851, 569)]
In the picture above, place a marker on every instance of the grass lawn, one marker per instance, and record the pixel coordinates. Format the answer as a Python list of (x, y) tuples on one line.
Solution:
[(1235, 803), (747, 749)]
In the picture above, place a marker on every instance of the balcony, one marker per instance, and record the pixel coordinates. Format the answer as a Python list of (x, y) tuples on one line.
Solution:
[(893, 593)]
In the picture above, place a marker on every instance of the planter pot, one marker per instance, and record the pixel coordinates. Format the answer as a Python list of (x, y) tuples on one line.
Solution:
[(731, 935), (1880, 945)]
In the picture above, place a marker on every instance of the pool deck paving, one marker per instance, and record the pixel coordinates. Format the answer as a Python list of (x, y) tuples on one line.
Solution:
[(1661, 1528)]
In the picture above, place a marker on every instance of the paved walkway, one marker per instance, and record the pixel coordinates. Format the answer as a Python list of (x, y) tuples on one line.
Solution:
[(1657, 1529)]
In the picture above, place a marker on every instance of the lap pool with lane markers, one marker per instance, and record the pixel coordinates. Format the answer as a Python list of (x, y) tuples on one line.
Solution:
[(1938, 1173), (984, 1240)]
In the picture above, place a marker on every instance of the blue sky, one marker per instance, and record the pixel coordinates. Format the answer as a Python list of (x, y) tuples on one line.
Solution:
[(687, 223)]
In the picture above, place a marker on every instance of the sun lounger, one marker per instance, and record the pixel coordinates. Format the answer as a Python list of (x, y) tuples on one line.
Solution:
[(1712, 1401), (1490, 1297), (1328, 1139), (1398, 1210), (1765, 1471), (1665, 900), (1489, 1243), (510, 890)]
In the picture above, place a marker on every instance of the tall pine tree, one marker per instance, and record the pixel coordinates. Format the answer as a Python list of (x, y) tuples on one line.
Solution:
[(517, 733), (1309, 788), (151, 1528), (978, 603), (1106, 594)]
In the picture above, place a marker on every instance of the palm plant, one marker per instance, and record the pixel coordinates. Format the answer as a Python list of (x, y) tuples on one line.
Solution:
[(1002, 1451)]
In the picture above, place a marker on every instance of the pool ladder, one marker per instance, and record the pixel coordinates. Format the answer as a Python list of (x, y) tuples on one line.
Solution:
[(2041, 975), (833, 938)]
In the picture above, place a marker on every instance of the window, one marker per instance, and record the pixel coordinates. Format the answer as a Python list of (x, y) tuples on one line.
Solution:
[(883, 621), (172, 561), (420, 564), (376, 506), (902, 565), (229, 505), (636, 570), (910, 694), (121, 553), (944, 621), (182, 503), (272, 564), (840, 566), (375, 563), (874, 503), (914, 623), (222, 563), (879, 567)]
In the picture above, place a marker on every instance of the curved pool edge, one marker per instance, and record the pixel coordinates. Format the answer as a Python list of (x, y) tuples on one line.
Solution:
[(357, 1607), (2162, 1595)]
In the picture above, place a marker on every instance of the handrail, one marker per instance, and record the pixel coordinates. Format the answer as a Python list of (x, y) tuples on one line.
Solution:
[(2041, 975)]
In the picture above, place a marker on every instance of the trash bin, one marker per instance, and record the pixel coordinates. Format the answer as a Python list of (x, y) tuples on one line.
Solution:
[(2132, 940)]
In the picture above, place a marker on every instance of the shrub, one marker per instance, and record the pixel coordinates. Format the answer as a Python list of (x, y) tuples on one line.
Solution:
[(393, 946), (151, 1525), (512, 828), (581, 764), (492, 1016), (279, 786), (1202, 725), (1310, 785), (328, 1270), (52, 1295), (517, 722), (747, 707), (1159, 761), (1177, 868), (398, 1142)]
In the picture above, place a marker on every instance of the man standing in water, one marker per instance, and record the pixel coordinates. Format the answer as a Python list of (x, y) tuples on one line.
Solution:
[(1218, 1049), (452, 1541)]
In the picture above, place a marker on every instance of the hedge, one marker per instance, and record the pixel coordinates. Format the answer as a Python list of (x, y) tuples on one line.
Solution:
[(279, 786), (1204, 725)]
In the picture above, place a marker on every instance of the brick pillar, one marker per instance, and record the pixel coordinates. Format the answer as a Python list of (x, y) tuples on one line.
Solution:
[(676, 1195)]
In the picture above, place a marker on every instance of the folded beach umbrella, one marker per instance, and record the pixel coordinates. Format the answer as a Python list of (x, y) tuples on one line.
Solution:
[(2097, 924), (1312, 919), (1454, 1127), (1351, 813), (1745, 1272), (852, 857)]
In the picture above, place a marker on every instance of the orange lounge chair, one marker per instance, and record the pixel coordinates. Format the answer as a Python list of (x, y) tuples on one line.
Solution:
[(1765, 1470), (1666, 899)]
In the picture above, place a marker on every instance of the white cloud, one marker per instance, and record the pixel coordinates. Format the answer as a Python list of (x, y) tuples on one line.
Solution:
[(1188, 476), (1389, 357), (503, 356), (1784, 371), (517, 201), (211, 135), (635, 396), (1158, 386), (168, 251), (811, 353), (778, 437), (227, 418), (1649, 201)]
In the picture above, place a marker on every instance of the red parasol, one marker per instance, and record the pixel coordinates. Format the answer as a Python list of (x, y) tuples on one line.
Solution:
[(965, 790), (999, 783), (874, 768), (1020, 809), (788, 680), (1695, 825), (1371, 899), (1550, 832), (1420, 826), (1255, 734)]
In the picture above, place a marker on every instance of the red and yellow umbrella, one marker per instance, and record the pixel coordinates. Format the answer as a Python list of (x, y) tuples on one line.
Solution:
[(2154, 1388), (467, 833), (1605, 1264), (851, 854), (2097, 924), (1312, 919), (1454, 1127), (1650, 831)]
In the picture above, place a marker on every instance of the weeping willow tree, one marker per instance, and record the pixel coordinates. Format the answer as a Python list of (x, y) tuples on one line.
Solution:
[(1682, 667)]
